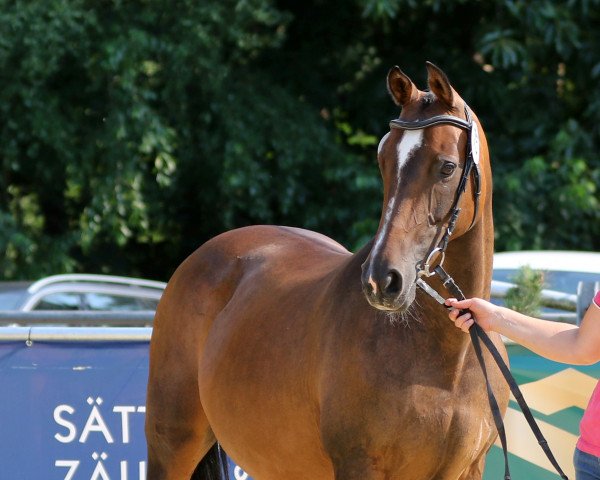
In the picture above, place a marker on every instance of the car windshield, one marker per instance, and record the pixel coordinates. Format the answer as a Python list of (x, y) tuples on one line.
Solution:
[(554, 280)]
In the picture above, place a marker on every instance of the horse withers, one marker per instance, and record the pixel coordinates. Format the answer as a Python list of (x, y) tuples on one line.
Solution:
[(307, 362)]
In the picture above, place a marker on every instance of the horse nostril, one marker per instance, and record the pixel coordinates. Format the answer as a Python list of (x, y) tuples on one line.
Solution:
[(392, 283), (368, 288)]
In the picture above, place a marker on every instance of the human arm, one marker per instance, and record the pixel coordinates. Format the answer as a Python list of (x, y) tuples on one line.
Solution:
[(560, 342)]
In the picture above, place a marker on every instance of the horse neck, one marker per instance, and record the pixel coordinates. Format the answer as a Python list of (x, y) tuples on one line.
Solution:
[(469, 258), (469, 262)]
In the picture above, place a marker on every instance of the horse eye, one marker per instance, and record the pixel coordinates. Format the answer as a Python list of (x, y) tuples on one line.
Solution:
[(448, 168)]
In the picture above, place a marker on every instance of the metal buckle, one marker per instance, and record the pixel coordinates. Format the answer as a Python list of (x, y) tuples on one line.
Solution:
[(424, 268)]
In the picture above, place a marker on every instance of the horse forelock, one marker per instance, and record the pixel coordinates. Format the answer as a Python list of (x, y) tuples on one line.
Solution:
[(428, 104)]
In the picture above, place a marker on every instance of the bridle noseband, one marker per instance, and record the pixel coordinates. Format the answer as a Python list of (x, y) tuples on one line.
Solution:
[(437, 254)]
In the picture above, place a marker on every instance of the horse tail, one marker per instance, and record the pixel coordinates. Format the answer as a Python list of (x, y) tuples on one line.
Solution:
[(213, 465)]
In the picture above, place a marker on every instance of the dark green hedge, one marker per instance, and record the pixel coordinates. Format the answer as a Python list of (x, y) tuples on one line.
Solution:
[(132, 131)]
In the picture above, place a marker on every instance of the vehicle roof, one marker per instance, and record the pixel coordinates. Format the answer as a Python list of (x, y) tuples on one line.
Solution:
[(555, 260), (24, 295), (95, 279)]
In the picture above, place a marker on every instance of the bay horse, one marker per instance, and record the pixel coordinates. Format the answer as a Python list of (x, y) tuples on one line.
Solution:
[(305, 361)]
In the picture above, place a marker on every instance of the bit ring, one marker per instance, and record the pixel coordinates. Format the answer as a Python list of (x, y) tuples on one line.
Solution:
[(424, 269)]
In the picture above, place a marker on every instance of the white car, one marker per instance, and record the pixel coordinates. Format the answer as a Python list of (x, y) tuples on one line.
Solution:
[(81, 292), (563, 270)]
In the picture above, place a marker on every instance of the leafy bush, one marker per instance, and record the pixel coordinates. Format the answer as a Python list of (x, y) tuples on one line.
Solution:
[(525, 296), (134, 131)]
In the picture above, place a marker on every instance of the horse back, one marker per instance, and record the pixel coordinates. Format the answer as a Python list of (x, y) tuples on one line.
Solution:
[(209, 278)]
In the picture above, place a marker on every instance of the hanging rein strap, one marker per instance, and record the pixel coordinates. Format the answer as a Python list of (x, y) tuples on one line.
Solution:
[(477, 333), (454, 290)]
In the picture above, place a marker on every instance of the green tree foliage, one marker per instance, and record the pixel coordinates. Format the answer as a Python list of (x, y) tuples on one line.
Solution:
[(132, 131)]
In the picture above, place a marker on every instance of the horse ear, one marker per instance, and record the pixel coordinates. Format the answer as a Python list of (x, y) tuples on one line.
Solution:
[(439, 84), (401, 88)]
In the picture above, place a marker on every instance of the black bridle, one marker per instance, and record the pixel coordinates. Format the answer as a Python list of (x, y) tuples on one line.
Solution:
[(436, 257), (471, 165)]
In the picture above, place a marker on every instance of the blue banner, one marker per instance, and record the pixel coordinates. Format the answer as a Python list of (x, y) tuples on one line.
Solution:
[(73, 410), (76, 411)]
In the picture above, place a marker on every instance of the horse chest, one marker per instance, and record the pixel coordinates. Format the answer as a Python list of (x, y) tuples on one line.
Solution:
[(426, 431), (426, 414)]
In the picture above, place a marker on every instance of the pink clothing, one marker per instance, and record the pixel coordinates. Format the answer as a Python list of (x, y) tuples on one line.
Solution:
[(589, 441)]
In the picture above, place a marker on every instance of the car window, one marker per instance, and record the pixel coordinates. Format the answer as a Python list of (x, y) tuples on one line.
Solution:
[(554, 280), (148, 303), (105, 301), (60, 301)]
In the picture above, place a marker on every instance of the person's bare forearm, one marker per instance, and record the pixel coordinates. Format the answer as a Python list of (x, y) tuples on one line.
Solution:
[(557, 341), (553, 340)]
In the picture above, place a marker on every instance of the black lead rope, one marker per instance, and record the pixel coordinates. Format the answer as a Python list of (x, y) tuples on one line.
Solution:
[(477, 333), (455, 290), (492, 401)]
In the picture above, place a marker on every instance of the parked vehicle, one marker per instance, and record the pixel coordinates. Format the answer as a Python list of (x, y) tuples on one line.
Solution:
[(81, 292), (563, 270)]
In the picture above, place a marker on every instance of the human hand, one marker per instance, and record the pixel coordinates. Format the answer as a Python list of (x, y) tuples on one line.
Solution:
[(483, 311)]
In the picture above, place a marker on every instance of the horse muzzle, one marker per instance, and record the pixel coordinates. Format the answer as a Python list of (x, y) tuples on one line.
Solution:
[(388, 290)]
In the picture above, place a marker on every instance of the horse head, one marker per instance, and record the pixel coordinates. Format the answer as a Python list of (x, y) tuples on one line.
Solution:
[(425, 162)]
